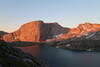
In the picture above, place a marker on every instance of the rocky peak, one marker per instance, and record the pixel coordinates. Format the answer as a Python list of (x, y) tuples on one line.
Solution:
[(86, 27), (35, 31), (80, 30), (27, 32), (30, 24)]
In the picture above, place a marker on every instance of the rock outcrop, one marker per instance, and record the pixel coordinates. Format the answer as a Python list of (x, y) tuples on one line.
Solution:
[(14, 57), (35, 31)]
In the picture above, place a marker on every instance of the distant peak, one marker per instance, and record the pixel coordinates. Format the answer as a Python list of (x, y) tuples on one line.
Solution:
[(88, 23)]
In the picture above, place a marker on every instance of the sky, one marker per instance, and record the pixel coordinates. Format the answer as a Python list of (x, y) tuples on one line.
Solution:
[(68, 13)]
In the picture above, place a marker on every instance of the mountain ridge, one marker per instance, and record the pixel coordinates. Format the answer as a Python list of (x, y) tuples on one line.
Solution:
[(81, 29), (37, 31)]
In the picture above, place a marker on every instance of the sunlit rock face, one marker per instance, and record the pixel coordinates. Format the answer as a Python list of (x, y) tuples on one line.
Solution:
[(80, 30), (30, 31), (35, 31), (86, 27)]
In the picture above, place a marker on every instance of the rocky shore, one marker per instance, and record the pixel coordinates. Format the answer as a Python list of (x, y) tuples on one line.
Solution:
[(14, 57), (76, 45)]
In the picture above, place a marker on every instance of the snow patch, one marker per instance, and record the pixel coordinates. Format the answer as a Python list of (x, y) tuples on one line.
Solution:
[(68, 45), (90, 35), (55, 36)]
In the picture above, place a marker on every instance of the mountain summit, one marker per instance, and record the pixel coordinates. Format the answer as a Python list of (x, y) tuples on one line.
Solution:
[(35, 31), (81, 29)]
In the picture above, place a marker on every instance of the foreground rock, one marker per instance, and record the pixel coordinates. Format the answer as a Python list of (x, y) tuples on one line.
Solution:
[(14, 57)]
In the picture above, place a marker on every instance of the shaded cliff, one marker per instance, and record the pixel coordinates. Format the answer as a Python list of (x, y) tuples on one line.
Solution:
[(35, 31), (51, 30)]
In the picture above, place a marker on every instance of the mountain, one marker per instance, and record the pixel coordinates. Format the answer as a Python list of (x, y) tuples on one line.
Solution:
[(35, 31), (84, 37), (80, 30)]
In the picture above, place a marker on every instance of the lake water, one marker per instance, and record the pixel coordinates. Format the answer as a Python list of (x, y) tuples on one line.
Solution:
[(57, 57)]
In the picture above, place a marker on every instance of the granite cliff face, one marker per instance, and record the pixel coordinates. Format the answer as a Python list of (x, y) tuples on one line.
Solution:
[(82, 29), (35, 31)]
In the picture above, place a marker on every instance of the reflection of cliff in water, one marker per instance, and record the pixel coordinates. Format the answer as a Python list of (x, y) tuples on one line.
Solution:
[(33, 50)]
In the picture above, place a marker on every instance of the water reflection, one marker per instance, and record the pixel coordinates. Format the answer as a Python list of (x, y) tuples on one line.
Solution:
[(57, 57), (33, 50)]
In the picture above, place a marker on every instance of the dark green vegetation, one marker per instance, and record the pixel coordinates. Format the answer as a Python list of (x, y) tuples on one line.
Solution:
[(88, 45), (14, 57)]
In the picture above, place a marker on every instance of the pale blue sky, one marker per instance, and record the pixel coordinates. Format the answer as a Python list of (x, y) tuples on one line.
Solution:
[(68, 13)]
